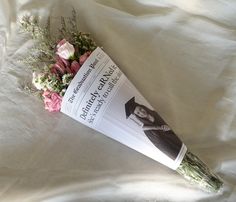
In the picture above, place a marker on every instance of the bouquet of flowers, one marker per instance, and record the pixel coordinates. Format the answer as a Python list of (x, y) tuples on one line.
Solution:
[(73, 75)]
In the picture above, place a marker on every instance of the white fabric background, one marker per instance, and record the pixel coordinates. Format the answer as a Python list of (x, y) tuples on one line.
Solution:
[(180, 54)]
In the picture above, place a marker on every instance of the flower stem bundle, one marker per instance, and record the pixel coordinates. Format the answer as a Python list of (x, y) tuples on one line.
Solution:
[(197, 172)]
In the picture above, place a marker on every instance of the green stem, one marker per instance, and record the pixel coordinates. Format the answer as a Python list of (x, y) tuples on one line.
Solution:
[(72, 58), (197, 172)]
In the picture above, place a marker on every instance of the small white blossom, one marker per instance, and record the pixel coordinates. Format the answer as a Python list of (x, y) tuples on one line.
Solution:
[(37, 81), (67, 78)]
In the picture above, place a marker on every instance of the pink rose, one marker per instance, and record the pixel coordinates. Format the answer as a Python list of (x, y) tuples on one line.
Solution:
[(65, 49), (75, 66), (61, 67), (58, 68), (64, 61), (84, 57), (52, 101)]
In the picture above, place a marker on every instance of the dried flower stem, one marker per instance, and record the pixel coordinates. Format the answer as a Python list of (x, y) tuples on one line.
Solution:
[(197, 172)]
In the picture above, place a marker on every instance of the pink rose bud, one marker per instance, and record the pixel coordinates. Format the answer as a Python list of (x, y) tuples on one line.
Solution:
[(65, 62), (68, 70), (58, 68), (52, 101), (75, 66), (53, 69), (84, 57), (61, 67), (65, 49)]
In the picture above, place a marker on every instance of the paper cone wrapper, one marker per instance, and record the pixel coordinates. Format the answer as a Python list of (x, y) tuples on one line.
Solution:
[(101, 97)]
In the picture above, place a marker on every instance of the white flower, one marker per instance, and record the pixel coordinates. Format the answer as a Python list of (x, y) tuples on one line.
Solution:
[(67, 78), (37, 81), (65, 50)]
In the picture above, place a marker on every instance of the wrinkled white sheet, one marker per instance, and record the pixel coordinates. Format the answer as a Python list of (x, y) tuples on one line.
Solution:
[(180, 54)]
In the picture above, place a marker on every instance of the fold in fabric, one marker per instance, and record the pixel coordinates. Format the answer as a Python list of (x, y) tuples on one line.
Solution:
[(180, 55)]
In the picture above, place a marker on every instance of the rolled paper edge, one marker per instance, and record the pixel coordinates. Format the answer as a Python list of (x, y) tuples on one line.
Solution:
[(198, 173)]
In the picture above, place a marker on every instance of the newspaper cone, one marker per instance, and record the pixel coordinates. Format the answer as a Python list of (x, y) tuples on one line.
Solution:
[(101, 97)]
